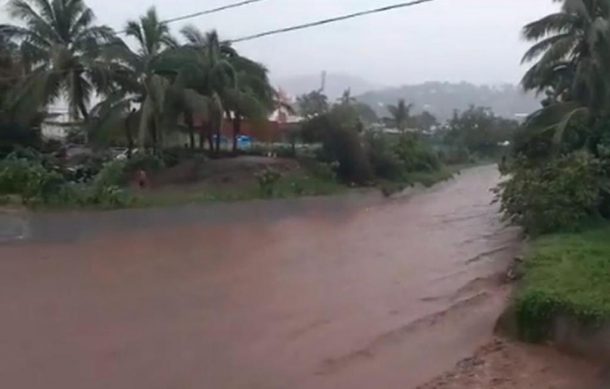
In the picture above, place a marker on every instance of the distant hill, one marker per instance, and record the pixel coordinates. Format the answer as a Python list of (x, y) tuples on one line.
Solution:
[(336, 84), (441, 98)]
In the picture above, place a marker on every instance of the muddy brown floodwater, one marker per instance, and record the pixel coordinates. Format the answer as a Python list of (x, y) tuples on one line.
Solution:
[(347, 292)]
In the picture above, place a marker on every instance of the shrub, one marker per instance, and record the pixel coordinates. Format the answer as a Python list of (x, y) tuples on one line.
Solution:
[(174, 156), (28, 179), (338, 131), (557, 194), (36, 185), (323, 170), (415, 155), (111, 197), (146, 162), (112, 174), (383, 158), (267, 181), (344, 147)]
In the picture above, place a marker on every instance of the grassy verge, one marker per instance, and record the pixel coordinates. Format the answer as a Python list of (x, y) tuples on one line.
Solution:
[(565, 274), (427, 179), (287, 187)]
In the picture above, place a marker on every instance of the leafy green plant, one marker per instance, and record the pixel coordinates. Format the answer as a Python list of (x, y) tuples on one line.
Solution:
[(112, 174), (28, 179), (557, 194), (383, 158), (415, 155), (146, 162), (267, 181)]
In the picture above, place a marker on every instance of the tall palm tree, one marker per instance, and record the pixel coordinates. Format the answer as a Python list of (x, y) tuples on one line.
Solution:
[(212, 75), (153, 40), (61, 46), (253, 97), (571, 53), (400, 115), (152, 77), (570, 50)]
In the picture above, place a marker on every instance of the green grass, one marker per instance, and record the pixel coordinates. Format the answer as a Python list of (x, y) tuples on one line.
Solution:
[(565, 274), (432, 178), (286, 187)]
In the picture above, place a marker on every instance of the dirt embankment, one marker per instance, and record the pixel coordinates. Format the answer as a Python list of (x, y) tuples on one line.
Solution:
[(503, 364)]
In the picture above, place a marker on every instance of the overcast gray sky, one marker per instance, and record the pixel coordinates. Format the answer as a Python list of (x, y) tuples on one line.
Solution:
[(446, 40)]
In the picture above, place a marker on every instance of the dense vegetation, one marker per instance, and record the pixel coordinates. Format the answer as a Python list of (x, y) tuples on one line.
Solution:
[(138, 97), (166, 100), (559, 173), (158, 87), (557, 179)]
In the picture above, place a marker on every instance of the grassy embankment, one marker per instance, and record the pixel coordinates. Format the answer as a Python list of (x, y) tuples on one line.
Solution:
[(289, 186), (566, 275)]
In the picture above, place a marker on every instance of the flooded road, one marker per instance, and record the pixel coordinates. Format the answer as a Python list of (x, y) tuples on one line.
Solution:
[(354, 292)]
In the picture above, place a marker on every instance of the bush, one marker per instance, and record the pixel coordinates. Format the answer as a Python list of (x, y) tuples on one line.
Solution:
[(343, 147), (415, 155), (174, 156), (557, 194), (267, 181), (28, 179), (35, 184), (384, 160), (112, 174), (338, 131), (14, 135), (148, 163)]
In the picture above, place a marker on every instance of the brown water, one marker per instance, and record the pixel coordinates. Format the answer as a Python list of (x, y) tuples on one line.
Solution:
[(325, 293)]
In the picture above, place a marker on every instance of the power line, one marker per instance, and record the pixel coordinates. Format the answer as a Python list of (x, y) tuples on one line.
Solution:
[(205, 12), (329, 20)]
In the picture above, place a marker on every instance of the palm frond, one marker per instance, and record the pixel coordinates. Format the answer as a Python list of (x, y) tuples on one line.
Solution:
[(557, 23), (547, 44)]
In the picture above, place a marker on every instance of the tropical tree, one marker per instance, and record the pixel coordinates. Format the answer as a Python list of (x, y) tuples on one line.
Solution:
[(571, 53), (400, 115), (212, 75), (60, 46), (153, 40), (253, 97), (425, 121), (313, 104)]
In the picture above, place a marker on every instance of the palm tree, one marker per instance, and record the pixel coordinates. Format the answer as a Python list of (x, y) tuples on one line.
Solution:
[(212, 75), (154, 77), (60, 45), (401, 115), (571, 54), (253, 97), (153, 41), (313, 104), (570, 49)]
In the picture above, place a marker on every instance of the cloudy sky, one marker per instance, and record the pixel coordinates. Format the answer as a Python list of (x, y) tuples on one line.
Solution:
[(446, 40)]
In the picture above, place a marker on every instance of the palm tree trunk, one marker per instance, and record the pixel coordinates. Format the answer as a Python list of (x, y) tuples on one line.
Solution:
[(129, 139), (217, 146), (153, 136), (83, 110), (201, 140), (211, 141), (189, 123), (218, 132), (236, 130)]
